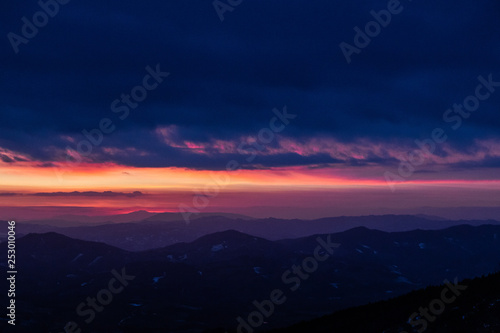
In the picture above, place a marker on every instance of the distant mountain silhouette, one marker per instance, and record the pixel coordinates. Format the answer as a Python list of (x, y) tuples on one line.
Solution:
[(84, 220), (120, 218), (166, 217), (137, 216), (149, 234)]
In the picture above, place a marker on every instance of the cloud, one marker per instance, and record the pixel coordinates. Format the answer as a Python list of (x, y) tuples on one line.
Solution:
[(226, 78), (89, 194), (6, 159)]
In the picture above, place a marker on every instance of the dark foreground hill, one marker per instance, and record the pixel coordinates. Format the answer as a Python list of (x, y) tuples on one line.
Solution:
[(474, 309)]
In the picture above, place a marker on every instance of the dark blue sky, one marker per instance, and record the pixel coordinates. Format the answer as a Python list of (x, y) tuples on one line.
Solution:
[(226, 77)]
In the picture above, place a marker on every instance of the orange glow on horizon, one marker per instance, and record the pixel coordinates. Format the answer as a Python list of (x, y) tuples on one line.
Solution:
[(111, 177)]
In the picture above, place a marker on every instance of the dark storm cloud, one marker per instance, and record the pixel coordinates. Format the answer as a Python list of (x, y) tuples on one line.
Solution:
[(226, 77), (6, 159)]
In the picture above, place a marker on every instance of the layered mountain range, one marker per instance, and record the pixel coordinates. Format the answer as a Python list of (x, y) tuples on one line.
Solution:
[(222, 280)]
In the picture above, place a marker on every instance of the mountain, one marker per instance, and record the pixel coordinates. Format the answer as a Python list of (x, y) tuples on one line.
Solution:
[(218, 247), (137, 216), (84, 220), (474, 309), (150, 234), (167, 217), (120, 218), (56, 259), (217, 278)]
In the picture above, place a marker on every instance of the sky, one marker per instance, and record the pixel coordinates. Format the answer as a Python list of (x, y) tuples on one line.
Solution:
[(254, 107)]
